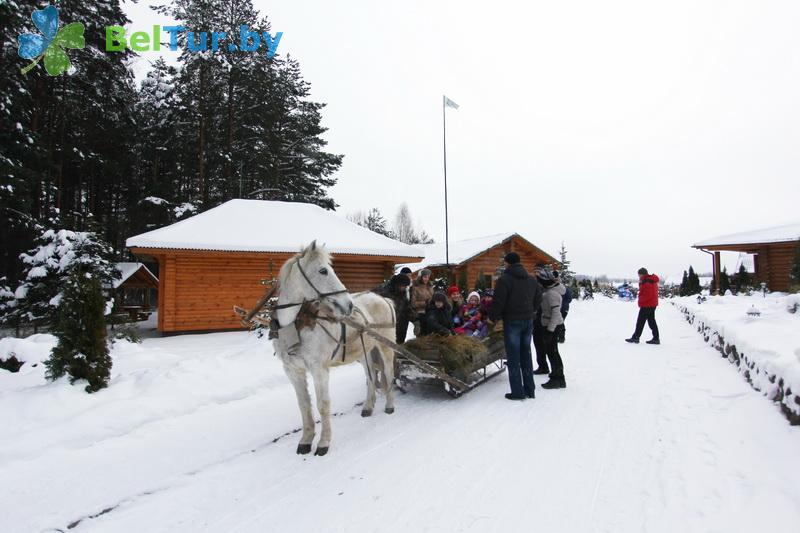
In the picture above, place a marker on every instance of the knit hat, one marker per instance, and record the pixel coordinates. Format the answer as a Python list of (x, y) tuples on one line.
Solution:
[(405, 270), (453, 290), (512, 258), (643, 271), (475, 294), (439, 296)]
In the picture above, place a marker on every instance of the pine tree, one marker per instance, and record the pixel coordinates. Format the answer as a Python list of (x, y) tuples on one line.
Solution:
[(684, 287), (463, 280), (373, 221), (693, 283), (565, 273), (82, 350), (57, 255), (794, 274), (742, 279), (157, 181), (724, 281)]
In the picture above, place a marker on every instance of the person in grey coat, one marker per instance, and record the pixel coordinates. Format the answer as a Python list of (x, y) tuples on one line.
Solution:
[(551, 321)]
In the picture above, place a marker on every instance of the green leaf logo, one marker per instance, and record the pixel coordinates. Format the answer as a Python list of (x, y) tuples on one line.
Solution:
[(51, 43)]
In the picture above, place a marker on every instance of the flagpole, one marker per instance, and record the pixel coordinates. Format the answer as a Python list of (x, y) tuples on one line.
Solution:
[(444, 153)]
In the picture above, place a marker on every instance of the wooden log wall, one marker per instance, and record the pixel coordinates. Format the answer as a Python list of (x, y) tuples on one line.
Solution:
[(197, 290)]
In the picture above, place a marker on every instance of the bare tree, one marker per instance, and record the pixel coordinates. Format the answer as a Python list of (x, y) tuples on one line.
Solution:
[(404, 226)]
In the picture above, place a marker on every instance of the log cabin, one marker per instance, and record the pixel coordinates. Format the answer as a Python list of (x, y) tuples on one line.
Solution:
[(773, 250), (481, 256), (217, 259)]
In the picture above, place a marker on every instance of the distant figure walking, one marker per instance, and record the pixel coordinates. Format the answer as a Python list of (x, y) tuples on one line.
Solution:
[(648, 301), (516, 296)]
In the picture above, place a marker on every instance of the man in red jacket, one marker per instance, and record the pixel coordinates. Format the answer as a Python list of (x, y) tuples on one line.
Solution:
[(648, 301)]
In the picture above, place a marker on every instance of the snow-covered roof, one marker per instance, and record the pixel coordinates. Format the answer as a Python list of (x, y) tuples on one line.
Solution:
[(787, 233), (127, 269), (460, 251), (270, 226)]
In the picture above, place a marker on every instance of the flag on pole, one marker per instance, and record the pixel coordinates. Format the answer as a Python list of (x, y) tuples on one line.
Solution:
[(450, 103)]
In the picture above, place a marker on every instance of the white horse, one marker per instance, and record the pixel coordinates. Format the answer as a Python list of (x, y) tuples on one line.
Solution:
[(308, 346)]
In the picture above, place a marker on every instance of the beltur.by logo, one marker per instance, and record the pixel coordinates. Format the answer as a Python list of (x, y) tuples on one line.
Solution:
[(50, 44), (139, 41)]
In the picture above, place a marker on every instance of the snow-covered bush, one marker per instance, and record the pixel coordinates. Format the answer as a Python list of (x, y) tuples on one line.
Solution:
[(82, 349), (57, 255), (763, 344)]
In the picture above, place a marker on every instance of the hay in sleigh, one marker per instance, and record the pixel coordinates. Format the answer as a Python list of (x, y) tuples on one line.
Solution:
[(460, 355)]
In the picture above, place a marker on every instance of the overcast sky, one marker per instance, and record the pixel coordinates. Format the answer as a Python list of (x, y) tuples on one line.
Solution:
[(626, 129)]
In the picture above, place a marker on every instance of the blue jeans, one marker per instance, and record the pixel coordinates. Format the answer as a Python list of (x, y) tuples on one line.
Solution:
[(517, 336)]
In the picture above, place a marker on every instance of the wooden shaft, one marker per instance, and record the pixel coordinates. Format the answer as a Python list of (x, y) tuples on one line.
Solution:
[(406, 353)]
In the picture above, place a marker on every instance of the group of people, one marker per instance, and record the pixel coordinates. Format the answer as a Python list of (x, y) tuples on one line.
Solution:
[(533, 308), (436, 312)]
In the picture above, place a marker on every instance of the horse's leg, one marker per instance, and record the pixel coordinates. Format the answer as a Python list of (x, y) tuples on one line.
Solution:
[(321, 375), (369, 403), (385, 356), (297, 376)]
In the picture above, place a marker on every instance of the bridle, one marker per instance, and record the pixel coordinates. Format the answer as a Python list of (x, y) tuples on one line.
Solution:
[(320, 295)]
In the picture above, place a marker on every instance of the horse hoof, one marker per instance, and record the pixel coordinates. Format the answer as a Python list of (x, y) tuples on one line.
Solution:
[(321, 451), (389, 410), (366, 412), (303, 449)]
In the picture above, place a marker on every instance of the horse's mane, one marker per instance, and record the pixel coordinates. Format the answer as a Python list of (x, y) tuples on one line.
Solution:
[(313, 252)]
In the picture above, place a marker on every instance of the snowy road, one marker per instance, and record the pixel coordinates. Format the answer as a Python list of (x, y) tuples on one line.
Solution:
[(645, 438)]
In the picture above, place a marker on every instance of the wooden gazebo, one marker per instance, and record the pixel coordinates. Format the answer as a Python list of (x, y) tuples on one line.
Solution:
[(133, 289), (216, 260), (481, 256), (773, 251)]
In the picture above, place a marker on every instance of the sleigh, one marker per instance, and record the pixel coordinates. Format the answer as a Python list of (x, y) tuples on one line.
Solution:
[(418, 363)]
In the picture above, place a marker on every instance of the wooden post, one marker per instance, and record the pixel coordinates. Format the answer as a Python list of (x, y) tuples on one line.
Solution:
[(717, 272)]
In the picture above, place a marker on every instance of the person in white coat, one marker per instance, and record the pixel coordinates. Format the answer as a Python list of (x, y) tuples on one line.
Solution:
[(551, 321)]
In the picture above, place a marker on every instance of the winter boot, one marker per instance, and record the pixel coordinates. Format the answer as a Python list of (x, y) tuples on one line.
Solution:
[(510, 396), (632, 340), (654, 341), (555, 383)]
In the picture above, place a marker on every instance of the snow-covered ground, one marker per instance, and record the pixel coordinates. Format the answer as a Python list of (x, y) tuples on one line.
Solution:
[(764, 333), (194, 433)]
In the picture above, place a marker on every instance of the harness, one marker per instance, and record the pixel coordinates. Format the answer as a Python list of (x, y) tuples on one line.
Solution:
[(308, 317)]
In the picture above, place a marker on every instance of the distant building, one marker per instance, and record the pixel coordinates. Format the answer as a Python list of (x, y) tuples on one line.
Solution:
[(481, 256), (134, 290), (216, 260), (773, 251)]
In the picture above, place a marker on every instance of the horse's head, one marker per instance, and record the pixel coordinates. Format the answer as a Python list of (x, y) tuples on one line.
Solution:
[(309, 275)]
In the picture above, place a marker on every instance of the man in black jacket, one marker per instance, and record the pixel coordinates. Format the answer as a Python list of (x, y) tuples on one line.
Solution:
[(516, 296), (396, 289)]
